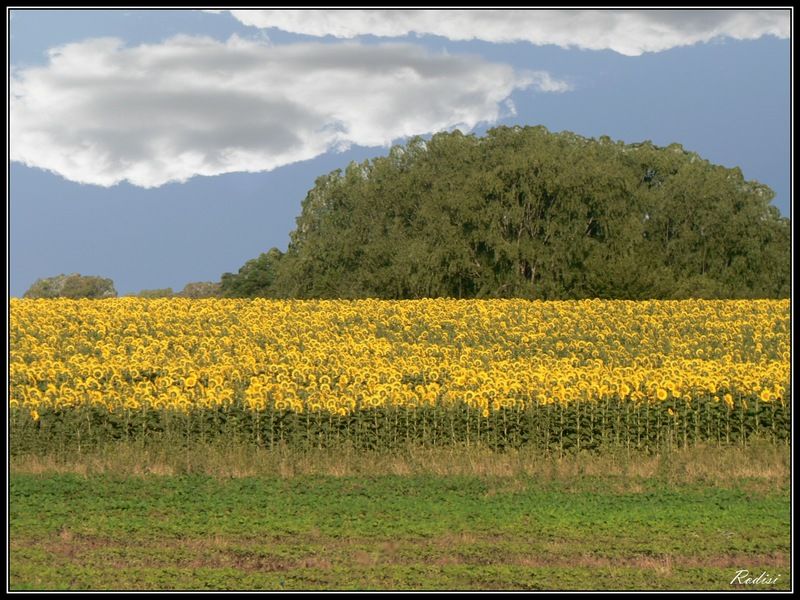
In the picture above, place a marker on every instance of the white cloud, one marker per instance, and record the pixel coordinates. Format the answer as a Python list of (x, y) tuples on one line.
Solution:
[(102, 113), (630, 32)]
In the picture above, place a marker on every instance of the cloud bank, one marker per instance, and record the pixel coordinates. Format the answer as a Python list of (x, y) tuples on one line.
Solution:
[(630, 32), (102, 113)]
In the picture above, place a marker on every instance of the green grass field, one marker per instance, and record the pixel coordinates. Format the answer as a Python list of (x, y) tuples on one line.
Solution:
[(426, 519)]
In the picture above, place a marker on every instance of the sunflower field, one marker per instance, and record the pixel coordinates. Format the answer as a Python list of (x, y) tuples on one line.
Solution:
[(560, 376)]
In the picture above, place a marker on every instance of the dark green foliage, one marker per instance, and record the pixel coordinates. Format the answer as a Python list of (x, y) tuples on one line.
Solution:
[(551, 428), (523, 212), (255, 278), (72, 286)]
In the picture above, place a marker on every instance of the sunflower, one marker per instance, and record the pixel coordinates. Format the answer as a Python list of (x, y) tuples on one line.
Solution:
[(728, 400)]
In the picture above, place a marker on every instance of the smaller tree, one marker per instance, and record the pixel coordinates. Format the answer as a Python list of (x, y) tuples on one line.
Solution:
[(201, 289), (255, 278), (74, 285), (157, 293)]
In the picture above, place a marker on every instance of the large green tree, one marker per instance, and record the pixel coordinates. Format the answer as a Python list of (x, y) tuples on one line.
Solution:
[(522, 212)]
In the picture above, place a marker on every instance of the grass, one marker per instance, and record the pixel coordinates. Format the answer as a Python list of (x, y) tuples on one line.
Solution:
[(758, 462), (238, 518)]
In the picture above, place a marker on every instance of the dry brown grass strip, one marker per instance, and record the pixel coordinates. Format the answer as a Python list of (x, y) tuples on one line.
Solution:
[(760, 466)]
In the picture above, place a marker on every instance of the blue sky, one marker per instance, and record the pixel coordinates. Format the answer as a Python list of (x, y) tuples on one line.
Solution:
[(157, 160)]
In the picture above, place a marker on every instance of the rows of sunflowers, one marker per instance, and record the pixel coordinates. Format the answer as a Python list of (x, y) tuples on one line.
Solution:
[(506, 373)]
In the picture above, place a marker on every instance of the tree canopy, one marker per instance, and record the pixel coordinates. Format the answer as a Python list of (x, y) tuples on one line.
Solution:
[(156, 293), (522, 212), (200, 289), (74, 285)]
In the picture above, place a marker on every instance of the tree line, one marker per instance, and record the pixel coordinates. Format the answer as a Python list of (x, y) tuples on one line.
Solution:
[(523, 212), (519, 212), (78, 286)]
